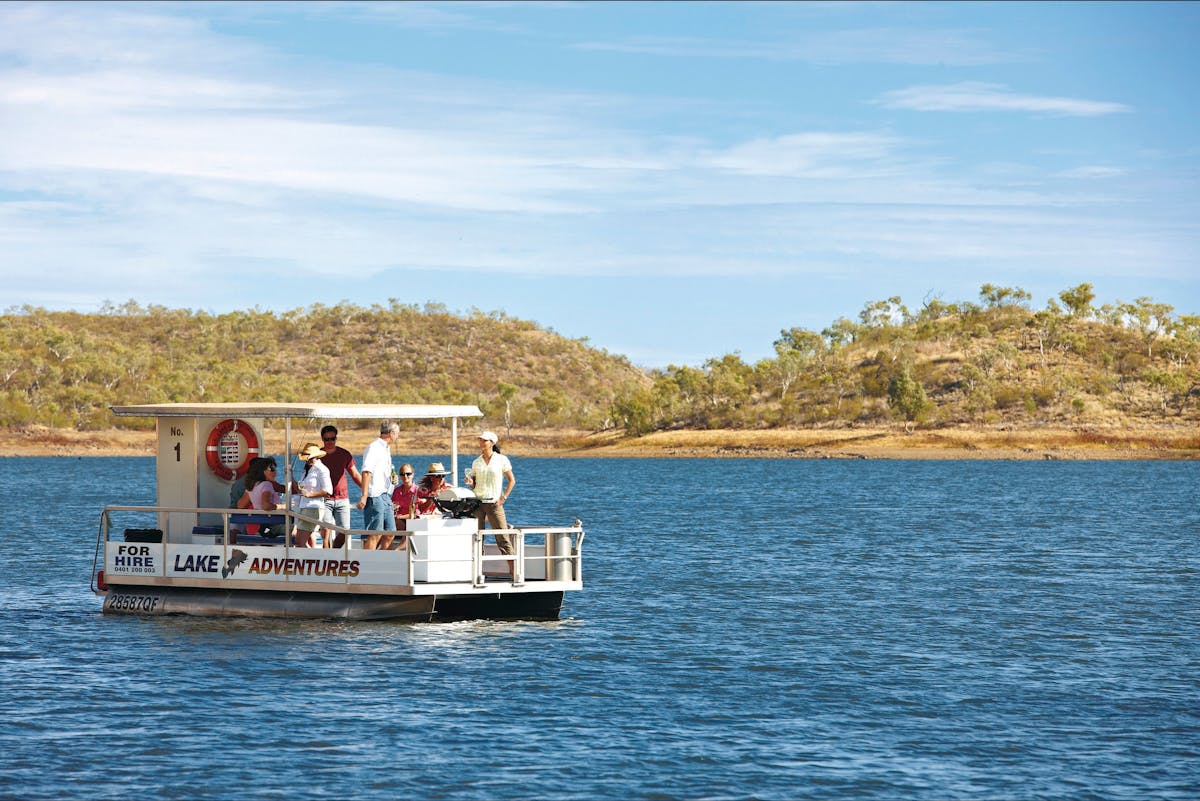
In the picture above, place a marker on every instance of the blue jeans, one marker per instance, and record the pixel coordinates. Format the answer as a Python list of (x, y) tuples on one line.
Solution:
[(340, 509), (377, 514)]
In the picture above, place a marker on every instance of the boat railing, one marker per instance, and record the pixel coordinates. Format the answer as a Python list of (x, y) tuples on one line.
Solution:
[(568, 553), (228, 516), (563, 545)]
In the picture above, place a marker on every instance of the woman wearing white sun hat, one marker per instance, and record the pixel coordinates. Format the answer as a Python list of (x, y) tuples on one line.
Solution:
[(312, 489), (489, 472)]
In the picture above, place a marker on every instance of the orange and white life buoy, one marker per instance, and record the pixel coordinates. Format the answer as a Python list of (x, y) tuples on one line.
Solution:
[(226, 456)]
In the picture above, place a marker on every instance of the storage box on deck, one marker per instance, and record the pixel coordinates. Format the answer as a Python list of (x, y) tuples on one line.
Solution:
[(143, 535), (446, 541), (207, 535)]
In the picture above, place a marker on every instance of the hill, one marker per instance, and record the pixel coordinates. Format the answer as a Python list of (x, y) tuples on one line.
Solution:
[(64, 369), (992, 367), (996, 362)]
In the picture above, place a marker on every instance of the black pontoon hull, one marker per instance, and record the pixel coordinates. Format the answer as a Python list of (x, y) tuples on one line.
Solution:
[(202, 601), (500, 606), (266, 603)]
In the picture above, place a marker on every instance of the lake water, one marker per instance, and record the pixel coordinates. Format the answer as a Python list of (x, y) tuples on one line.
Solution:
[(748, 629)]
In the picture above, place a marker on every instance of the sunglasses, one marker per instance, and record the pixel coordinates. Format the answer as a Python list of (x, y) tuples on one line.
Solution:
[(270, 469), (406, 474), (328, 439)]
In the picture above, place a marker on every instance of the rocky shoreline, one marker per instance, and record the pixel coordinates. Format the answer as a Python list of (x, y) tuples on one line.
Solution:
[(1171, 443)]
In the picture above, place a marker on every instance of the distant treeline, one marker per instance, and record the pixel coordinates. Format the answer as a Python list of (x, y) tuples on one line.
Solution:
[(993, 361), (990, 361)]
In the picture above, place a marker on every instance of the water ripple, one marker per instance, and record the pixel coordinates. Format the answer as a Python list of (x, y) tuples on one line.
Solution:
[(841, 630)]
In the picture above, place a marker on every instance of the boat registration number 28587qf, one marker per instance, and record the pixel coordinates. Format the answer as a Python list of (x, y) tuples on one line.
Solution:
[(187, 557)]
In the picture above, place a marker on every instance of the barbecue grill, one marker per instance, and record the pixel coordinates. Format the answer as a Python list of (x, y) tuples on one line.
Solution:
[(456, 501)]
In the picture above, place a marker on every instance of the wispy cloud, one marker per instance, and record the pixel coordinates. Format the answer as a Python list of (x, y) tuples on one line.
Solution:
[(160, 154), (811, 154), (977, 96), (484, 15), (1092, 171), (75, 117), (96, 36), (855, 46)]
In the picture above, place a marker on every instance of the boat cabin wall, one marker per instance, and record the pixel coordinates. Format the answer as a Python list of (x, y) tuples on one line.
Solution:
[(184, 475)]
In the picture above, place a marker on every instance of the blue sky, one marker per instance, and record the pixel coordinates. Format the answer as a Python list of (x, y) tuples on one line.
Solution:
[(673, 181)]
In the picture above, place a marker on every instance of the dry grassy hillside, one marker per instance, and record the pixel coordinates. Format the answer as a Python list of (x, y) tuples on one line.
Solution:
[(992, 367), (64, 369), (1132, 364)]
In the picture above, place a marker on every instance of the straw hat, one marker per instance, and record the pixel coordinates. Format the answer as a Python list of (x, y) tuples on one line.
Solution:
[(437, 469), (311, 450)]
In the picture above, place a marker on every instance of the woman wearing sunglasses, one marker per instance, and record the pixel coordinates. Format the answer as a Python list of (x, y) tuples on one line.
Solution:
[(404, 499), (262, 494)]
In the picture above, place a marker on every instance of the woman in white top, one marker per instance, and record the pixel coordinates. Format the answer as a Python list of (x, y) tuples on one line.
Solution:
[(313, 489), (488, 475)]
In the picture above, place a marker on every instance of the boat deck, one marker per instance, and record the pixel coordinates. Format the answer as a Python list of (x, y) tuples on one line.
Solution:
[(448, 562)]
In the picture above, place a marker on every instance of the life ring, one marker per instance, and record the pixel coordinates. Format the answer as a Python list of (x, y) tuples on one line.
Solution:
[(224, 451)]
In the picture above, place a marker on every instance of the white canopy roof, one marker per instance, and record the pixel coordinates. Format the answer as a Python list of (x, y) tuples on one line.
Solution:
[(321, 411)]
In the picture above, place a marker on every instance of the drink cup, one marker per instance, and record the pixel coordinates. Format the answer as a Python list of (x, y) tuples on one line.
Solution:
[(469, 474)]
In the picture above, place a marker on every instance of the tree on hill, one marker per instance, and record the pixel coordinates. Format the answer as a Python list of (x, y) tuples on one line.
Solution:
[(1078, 300), (907, 396)]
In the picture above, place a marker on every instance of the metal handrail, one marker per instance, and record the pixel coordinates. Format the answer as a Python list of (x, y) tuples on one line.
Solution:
[(574, 556), (287, 514), (478, 558)]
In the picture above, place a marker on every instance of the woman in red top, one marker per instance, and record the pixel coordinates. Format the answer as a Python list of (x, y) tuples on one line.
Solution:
[(404, 501)]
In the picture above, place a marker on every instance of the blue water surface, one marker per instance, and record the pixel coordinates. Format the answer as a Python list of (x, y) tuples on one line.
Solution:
[(749, 629)]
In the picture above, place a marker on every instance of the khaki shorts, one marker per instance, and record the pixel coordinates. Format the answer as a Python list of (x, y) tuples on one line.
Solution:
[(312, 517)]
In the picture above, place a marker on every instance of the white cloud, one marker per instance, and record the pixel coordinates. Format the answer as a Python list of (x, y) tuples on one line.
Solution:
[(455, 144), (1093, 171), (99, 36), (977, 96), (132, 90), (201, 172), (807, 154), (425, 168), (852, 46), (411, 14), (213, 116)]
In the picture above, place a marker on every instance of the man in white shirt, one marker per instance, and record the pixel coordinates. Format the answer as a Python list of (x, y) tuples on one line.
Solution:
[(376, 500)]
